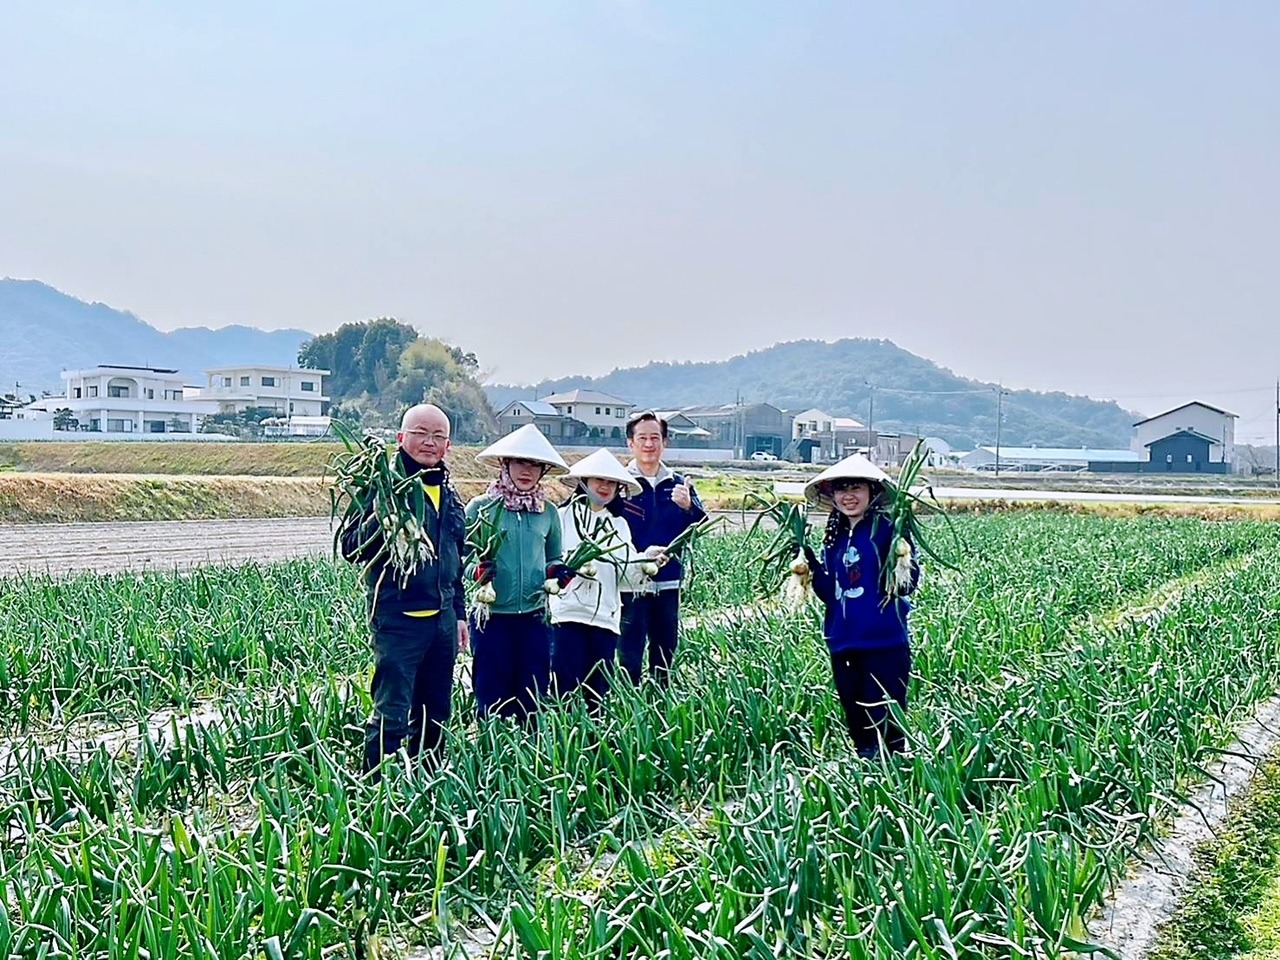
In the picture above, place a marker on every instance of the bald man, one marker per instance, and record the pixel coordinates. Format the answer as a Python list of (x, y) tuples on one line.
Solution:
[(419, 626)]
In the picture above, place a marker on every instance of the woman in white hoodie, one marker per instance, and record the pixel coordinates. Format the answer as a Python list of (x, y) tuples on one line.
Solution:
[(587, 614)]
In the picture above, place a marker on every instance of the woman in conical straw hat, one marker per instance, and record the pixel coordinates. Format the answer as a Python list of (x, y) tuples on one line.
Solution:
[(512, 644), (866, 632), (587, 615)]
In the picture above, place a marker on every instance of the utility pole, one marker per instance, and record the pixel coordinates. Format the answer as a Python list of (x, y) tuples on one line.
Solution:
[(999, 422), (1277, 476), (871, 422)]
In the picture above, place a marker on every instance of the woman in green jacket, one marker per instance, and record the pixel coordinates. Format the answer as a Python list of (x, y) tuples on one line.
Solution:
[(512, 644)]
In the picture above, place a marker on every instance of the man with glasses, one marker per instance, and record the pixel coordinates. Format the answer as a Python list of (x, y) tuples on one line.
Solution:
[(418, 626), (666, 506)]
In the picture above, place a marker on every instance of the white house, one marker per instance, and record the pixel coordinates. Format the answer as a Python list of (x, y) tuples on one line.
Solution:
[(555, 426), (20, 420), (120, 400), (287, 391), (811, 423), (1218, 425), (818, 437), (596, 410)]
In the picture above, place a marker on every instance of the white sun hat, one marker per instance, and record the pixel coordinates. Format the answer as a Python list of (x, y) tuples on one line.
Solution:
[(855, 467), (602, 465), (527, 443)]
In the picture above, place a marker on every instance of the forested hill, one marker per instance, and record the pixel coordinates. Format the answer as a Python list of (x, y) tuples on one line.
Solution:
[(44, 331), (911, 393)]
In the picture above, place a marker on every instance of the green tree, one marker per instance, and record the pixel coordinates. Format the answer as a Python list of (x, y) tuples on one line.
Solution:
[(380, 367)]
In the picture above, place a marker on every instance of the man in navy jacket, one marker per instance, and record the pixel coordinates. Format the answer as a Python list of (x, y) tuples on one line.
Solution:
[(666, 506)]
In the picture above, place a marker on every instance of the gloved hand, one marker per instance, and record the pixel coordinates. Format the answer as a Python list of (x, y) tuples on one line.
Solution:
[(484, 572), (561, 574)]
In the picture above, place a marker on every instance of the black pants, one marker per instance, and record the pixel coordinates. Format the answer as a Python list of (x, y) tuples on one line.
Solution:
[(512, 665), (652, 618), (866, 681), (412, 684), (582, 656)]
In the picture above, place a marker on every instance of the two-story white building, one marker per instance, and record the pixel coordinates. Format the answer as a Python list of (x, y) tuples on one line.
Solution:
[(121, 400), (599, 411), (1216, 424), (286, 391), (810, 423), (817, 436)]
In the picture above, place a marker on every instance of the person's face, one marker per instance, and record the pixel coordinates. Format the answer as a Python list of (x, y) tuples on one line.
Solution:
[(424, 437), (602, 490), (852, 497), (525, 474), (646, 444)]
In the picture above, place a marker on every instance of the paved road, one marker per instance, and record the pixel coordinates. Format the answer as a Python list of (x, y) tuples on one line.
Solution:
[(158, 545), (1055, 496)]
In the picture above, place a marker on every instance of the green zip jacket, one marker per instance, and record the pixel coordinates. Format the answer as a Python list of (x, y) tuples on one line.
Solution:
[(532, 542)]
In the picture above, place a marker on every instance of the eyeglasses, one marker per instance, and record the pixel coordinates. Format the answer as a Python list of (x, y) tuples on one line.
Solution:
[(425, 436)]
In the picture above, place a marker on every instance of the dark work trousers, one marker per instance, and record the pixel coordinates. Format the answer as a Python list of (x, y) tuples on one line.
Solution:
[(512, 665), (582, 656), (412, 683), (652, 618), (866, 680)]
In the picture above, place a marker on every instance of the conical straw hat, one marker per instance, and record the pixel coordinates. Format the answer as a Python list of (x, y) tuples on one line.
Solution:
[(527, 443), (602, 465), (856, 467)]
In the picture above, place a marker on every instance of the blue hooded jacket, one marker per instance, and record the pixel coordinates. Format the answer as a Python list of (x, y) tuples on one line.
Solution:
[(847, 581)]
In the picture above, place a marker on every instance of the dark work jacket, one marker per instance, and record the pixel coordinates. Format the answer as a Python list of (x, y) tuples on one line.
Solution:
[(655, 520), (847, 580), (435, 586)]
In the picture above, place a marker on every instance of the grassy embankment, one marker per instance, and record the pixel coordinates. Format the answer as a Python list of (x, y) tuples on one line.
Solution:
[(72, 482), (68, 482)]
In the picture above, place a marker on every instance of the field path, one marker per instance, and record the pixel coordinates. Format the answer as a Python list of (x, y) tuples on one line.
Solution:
[(156, 545), (65, 548)]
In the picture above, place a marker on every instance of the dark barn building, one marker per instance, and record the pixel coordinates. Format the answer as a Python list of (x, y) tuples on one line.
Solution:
[(1184, 452)]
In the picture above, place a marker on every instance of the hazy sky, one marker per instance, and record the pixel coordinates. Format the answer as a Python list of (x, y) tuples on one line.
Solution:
[(1077, 196)]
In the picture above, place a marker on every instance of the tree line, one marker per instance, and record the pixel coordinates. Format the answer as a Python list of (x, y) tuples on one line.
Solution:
[(380, 367)]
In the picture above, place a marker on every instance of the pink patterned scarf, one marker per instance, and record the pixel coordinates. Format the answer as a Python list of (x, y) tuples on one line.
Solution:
[(515, 499)]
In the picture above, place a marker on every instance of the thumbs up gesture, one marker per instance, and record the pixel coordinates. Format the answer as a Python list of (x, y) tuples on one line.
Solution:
[(681, 495)]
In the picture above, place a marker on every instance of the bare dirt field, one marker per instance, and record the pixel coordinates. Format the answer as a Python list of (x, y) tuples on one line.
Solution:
[(156, 545)]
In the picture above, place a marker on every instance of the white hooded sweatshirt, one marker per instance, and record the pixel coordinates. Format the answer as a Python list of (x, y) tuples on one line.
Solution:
[(597, 601)]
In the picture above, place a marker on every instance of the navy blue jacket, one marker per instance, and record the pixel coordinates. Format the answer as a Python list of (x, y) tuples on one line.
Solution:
[(435, 586), (847, 581), (655, 520)]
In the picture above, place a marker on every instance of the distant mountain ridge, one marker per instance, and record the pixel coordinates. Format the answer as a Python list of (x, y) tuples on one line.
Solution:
[(44, 331), (910, 393)]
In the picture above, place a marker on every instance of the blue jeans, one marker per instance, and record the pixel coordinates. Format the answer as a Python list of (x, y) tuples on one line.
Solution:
[(651, 619), (512, 665), (412, 683)]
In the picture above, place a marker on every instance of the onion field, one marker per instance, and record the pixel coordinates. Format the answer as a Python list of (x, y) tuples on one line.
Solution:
[(179, 765)]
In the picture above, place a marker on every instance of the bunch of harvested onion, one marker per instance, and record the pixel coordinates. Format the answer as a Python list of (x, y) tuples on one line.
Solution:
[(484, 537), (368, 483), (783, 562), (903, 507)]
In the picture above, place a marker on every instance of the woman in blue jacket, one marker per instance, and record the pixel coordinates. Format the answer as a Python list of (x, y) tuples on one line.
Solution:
[(866, 632)]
